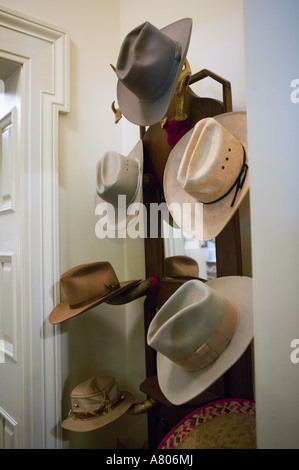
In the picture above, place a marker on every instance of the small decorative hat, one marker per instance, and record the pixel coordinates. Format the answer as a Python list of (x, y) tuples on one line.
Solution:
[(119, 184), (148, 69), (206, 175), (96, 402), (199, 333), (222, 424), (86, 286)]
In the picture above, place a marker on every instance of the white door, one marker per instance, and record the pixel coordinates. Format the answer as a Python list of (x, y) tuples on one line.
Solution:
[(11, 318), (33, 90)]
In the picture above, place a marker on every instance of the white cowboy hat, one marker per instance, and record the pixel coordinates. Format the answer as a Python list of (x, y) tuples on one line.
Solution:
[(119, 184), (148, 69), (206, 175), (199, 333)]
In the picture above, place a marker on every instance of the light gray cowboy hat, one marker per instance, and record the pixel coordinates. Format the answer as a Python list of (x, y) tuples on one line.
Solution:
[(199, 333)]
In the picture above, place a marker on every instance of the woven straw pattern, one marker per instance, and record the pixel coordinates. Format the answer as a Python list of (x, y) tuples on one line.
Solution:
[(234, 427)]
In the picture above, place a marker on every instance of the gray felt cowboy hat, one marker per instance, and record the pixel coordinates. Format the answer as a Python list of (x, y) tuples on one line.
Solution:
[(148, 69), (199, 333)]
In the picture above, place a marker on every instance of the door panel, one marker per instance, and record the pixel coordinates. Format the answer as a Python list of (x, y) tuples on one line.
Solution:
[(12, 368)]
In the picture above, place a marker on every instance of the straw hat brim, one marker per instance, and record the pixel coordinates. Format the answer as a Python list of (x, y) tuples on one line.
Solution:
[(63, 311), (210, 219), (222, 424), (73, 424), (179, 385), (148, 113), (117, 221)]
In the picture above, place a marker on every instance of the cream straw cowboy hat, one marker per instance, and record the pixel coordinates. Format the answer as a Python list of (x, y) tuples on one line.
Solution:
[(119, 184), (96, 402), (206, 175), (86, 286), (199, 333), (148, 69)]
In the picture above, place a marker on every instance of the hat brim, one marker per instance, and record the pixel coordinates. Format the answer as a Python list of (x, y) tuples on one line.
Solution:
[(122, 407), (63, 311), (115, 223), (203, 221), (222, 424), (149, 113), (179, 385)]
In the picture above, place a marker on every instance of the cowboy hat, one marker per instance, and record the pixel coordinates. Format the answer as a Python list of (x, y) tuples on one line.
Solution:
[(181, 266), (199, 333), (119, 184), (222, 424), (206, 175), (148, 69), (96, 402), (86, 286)]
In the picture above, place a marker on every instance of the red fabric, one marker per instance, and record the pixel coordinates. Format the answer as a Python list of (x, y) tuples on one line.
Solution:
[(155, 285), (175, 130)]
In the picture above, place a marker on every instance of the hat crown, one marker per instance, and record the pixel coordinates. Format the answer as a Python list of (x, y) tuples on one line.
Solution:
[(211, 163), (187, 320), (148, 62), (117, 175), (88, 282), (95, 394), (180, 266)]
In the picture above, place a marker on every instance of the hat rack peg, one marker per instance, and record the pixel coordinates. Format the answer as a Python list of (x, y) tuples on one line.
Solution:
[(146, 287), (142, 407), (178, 125), (180, 92), (148, 181), (117, 112)]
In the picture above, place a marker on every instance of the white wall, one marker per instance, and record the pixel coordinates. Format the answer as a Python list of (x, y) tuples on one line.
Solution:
[(272, 35), (111, 339)]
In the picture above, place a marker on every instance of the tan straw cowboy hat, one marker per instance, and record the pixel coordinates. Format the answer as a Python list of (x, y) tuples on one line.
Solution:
[(199, 333), (206, 175), (148, 69), (96, 402), (86, 286)]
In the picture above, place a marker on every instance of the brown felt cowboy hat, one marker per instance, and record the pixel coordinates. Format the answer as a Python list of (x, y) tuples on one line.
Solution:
[(199, 333), (206, 176), (181, 266), (148, 69), (86, 286), (96, 402)]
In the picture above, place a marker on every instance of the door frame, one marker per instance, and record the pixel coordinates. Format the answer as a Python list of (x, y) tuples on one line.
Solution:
[(31, 43)]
